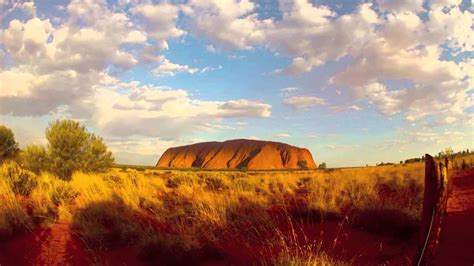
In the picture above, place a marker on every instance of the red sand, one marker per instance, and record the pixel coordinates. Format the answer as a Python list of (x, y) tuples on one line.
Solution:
[(456, 245), (52, 246)]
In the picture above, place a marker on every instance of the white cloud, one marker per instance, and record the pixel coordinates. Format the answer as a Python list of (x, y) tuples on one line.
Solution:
[(303, 102), (66, 68), (159, 111), (135, 36), (230, 24), (167, 68), (384, 40), (401, 5), (283, 135), (345, 108), (289, 89), (160, 21)]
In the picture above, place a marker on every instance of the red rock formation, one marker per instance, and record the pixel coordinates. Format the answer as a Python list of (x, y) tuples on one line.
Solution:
[(238, 154)]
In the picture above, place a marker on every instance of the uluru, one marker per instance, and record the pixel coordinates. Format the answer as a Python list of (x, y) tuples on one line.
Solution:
[(238, 154)]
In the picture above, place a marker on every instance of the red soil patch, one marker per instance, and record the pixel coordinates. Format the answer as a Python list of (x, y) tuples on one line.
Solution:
[(336, 238), (456, 246), (52, 246)]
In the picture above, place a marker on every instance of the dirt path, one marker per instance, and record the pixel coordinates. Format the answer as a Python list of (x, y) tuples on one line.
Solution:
[(457, 232), (54, 251), (52, 246)]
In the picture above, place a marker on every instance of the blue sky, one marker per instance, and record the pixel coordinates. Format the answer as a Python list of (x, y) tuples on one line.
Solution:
[(356, 82)]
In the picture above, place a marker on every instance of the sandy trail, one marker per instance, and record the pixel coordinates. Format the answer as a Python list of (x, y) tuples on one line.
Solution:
[(54, 251), (456, 245)]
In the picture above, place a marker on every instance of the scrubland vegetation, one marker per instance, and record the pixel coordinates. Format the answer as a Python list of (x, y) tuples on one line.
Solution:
[(172, 217)]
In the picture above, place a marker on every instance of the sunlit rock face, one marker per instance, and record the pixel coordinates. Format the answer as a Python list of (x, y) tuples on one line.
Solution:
[(238, 154)]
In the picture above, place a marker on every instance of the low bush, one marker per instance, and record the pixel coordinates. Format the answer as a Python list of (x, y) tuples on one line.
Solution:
[(13, 220), (167, 249), (216, 182), (62, 192), (176, 181), (22, 182), (108, 224)]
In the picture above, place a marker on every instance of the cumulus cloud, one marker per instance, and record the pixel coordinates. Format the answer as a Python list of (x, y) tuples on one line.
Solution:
[(303, 102), (131, 109), (345, 108), (231, 24), (167, 68), (385, 41), (159, 21), (70, 67)]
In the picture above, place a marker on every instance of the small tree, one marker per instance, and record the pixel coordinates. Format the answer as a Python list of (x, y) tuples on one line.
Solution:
[(446, 152), (322, 166), (302, 164), (35, 158), (8, 145), (71, 148)]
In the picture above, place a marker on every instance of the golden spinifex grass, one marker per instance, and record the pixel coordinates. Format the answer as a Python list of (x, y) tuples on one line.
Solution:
[(176, 216)]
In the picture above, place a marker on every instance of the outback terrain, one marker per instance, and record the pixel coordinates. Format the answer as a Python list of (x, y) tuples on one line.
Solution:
[(137, 216)]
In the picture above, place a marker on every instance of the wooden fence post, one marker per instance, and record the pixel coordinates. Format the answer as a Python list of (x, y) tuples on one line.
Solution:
[(430, 198), (437, 187)]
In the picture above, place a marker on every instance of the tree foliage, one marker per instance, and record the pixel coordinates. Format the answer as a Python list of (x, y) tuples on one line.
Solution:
[(35, 158), (302, 164), (8, 145), (322, 166), (71, 148)]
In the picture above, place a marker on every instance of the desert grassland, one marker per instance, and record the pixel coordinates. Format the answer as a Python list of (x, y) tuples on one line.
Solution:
[(174, 216)]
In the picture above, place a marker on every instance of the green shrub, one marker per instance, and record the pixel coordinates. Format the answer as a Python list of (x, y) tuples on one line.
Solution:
[(302, 164), (72, 148), (8, 145), (34, 158)]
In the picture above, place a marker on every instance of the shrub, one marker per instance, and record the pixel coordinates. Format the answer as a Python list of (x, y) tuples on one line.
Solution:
[(62, 192), (176, 181), (170, 249), (108, 224), (244, 184), (385, 220), (34, 158), (13, 220), (8, 145), (214, 182), (72, 148), (302, 164), (21, 181)]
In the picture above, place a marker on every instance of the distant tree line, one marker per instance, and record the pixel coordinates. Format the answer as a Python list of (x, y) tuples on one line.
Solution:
[(447, 152)]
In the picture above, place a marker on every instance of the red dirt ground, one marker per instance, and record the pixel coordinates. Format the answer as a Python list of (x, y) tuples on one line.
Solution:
[(456, 245), (57, 246), (353, 245), (52, 246)]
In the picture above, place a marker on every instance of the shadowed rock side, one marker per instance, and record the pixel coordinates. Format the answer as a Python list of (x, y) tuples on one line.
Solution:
[(238, 154)]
